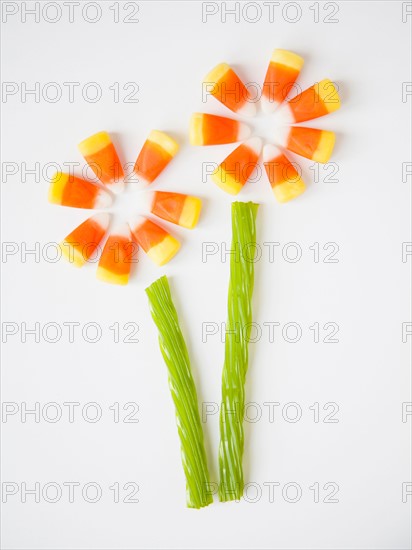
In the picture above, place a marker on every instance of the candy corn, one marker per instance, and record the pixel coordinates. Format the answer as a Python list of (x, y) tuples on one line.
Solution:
[(311, 143), (318, 100), (81, 243), (183, 210), (68, 190), (99, 152), (283, 176), (283, 70), (215, 130), (158, 150), (232, 174), (158, 244), (224, 84), (117, 257)]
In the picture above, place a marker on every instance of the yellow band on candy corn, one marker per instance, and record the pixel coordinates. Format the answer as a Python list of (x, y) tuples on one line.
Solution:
[(72, 254), (325, 147), (196, 129), (216, 74), (289, 59), (288, 190), (190, 212), (161, 253), (164, 141), (109, 277), (57, 186), (94, 143), (327, 92), (226, 181)]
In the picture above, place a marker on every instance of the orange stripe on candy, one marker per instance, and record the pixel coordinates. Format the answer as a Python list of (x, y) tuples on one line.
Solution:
[(117, 255), (86, 237), (279, 170), (151, 161), (168, 206), (106, 164), (78, 192), (307, 105), (231, 91), (240, 163), (218, 130), (284, 178), (279, 81), (149, 234), (303, 141)]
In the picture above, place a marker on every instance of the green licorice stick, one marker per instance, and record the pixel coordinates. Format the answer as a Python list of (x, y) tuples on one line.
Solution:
[(182, 387), (236, 350)]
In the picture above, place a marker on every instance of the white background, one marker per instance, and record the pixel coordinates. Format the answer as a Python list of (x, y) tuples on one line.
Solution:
[(366, 212)]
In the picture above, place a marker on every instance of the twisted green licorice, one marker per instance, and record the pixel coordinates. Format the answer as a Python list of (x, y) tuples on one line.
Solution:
[(182, 387), (236, 350)]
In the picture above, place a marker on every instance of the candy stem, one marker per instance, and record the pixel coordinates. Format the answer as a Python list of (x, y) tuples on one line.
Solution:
[(182, 387), (236, 350)]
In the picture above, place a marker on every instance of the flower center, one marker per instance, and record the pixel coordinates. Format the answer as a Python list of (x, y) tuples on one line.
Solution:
[(269, 127), (129, 203)]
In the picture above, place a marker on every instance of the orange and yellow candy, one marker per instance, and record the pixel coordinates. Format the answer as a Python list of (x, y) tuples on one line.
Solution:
[(157, 151), (224, 84), (68, 190), (232, 174), (208, 129), (282, 174), (311, 143), (283, 70), (83, 241), (319, 100), (158, 244), (117, 257), (99, 152), (183, 210)]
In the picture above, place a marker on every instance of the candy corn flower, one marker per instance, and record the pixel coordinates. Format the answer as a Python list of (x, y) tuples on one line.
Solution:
[(119, 250), (284, 176)]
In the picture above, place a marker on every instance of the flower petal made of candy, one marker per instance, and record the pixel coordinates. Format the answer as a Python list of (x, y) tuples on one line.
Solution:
[(158, 244), (117, 256), (69, 190), (208, 129), (100, 153), (177, 208), (232, 174), (156, 153), (283, 176), (82, 242), (224, 84), (314, 144), (282, 72), (319, 100)]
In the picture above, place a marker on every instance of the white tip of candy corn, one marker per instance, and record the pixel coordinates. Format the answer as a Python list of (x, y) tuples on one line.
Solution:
[(103, 219), (281, 135), (121, 229), (103, 199), (270, 152), (248, 109), (284, 115), (117, 187), (255, 144), (268, 106), (244, 132), (137, 182), (146, 200), (135, 222)]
